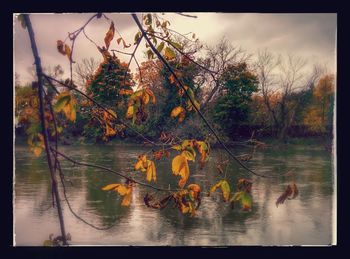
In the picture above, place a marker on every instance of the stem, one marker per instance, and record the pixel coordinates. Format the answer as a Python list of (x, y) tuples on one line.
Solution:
[(39, 73)]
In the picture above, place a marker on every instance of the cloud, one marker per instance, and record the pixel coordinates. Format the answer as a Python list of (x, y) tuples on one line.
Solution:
[(311, 36)]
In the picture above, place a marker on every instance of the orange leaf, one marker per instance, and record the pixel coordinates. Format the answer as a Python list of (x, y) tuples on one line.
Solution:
[(178, 111), (125, 92)]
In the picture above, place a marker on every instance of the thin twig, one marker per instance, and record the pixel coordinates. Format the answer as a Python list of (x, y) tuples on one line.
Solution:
[(187, 15)]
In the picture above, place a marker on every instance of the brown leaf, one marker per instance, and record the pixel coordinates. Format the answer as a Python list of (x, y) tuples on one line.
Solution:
[(60, 47), (109, 35), (291, 193)]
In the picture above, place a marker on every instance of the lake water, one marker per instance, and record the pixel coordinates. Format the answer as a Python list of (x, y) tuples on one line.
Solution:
[(307, 220)]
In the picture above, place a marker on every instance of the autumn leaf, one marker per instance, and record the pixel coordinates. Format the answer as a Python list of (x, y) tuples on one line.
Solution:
[(194, 190), (64, 49), (246, 201), (109, 35), (60, 47), (36, 143), (110, 132), (180, 167), (172, 79), (125, 45), (244, 198), (130, 112), (123, 190), (178, 112), (169, 53), (189, 155), (151, 171), (160, 47), (151, 95), (291, 192), (225, 189), (137, 37), (161, 153), (67, 104), (68, 52), (147, 166), (150, 54), (177, 147), (126, 92), (111, 186)]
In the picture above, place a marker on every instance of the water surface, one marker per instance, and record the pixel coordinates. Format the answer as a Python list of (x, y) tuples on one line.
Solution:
[(307, 220)]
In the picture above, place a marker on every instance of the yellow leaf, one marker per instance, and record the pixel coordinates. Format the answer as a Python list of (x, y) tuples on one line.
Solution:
[(68, 52), (130, 112), (110, 132), (178, 111), (180, 167), (177, 147), (169, 53), (127, 199), (109, 35), (122, 189), (141, 163), (225, 188), (151, 171), (189, 155), (110, 186)]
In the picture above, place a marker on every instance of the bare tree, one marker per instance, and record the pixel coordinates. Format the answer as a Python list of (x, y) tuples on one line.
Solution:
[(281, 79), (217, 59), (84, 70)]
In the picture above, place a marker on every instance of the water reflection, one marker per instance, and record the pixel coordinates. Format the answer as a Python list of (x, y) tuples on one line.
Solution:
[(306, 220)]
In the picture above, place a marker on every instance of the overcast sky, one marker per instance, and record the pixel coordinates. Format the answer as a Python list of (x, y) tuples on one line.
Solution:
[(310, 36)]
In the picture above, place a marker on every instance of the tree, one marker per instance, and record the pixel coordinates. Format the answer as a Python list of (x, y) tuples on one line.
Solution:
[(232, 106), (319, 113), (85, 70), (217, 59), (280, 79)]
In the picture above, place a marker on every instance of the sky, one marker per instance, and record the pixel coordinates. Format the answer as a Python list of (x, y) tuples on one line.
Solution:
[(309, 36)]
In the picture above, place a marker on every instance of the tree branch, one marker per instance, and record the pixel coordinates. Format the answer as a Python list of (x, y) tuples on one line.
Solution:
[(39, 73)]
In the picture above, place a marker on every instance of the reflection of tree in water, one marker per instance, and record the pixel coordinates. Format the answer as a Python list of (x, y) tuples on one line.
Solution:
[(107, 205)]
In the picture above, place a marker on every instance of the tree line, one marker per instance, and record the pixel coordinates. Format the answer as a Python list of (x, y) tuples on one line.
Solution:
[(264, 94)]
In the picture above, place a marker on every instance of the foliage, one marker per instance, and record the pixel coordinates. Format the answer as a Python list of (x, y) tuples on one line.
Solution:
[(124, 190), (239, 83), (319, 113)]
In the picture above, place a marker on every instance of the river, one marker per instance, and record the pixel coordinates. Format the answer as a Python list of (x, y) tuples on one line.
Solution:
[(306, 220)]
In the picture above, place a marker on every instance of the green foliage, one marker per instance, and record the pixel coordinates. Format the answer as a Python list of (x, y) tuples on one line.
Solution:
[(232, 107), (108, 81)]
